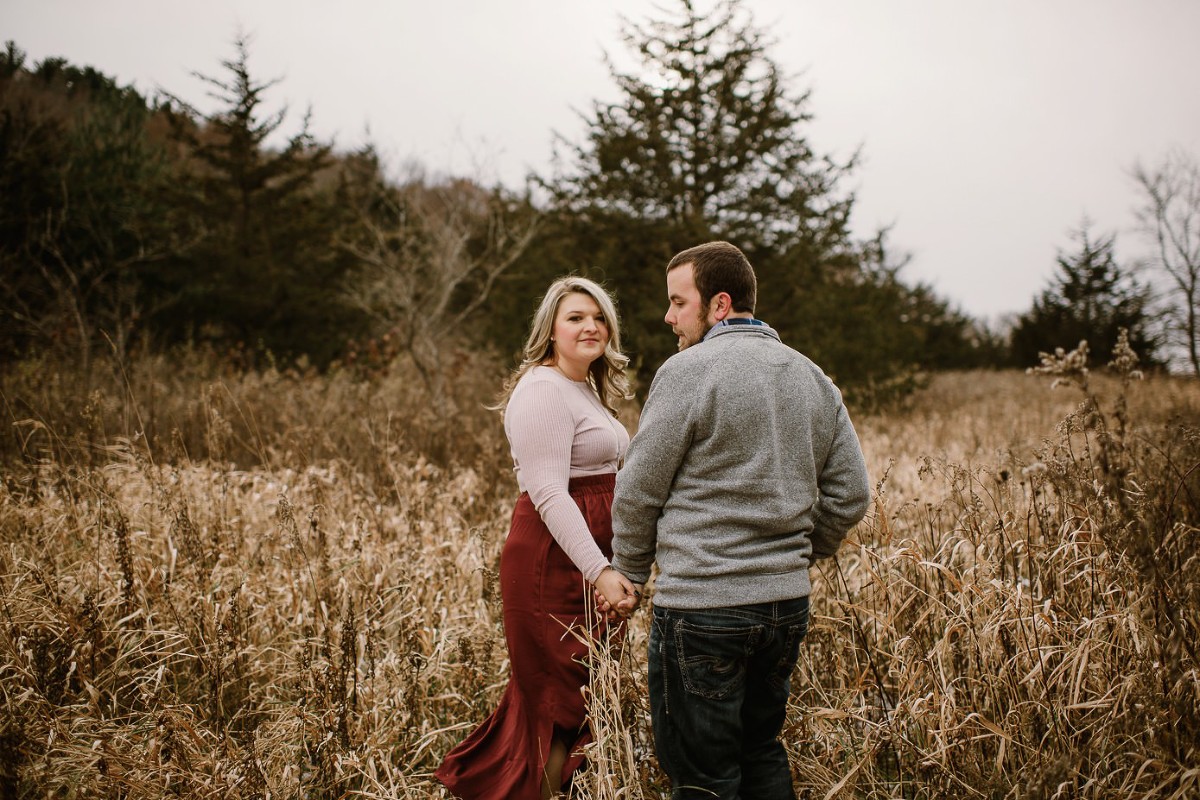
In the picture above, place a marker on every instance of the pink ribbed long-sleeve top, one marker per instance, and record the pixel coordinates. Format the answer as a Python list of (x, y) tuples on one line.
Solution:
[(557, 430)]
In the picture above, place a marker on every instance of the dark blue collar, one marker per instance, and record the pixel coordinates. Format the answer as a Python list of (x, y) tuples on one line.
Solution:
[(734, 321)]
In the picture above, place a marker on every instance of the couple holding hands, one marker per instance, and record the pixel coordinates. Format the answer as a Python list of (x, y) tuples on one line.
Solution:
[(745, 469)]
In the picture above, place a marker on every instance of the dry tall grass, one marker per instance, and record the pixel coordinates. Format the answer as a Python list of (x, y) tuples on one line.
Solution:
[(284, 585)]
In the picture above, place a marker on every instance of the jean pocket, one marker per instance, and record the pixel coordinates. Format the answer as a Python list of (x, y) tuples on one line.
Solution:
[(712, 660), (792, 636)]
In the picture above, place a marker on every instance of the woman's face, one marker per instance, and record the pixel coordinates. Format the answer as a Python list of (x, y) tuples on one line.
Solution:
[(580, 333)]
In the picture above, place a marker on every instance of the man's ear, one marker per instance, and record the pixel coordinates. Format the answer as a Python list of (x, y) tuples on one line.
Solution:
[(721, 306)]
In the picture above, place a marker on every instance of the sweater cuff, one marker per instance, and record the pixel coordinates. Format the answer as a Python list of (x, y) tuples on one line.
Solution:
[(636, 576)]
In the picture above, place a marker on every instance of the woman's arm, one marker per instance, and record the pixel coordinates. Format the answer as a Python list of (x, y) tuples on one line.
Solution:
[(541, 430)]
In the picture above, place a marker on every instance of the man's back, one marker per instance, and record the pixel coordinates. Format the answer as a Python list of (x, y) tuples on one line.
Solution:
[(745, 461)]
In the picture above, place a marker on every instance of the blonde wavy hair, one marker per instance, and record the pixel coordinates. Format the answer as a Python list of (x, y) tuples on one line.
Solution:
[(606, 375)]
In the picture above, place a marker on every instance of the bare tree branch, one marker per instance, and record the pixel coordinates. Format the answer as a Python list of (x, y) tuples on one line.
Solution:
[(1169, 218), (429, 256)]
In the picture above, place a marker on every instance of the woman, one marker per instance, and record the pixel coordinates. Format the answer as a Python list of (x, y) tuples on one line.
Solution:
[(566, 442)]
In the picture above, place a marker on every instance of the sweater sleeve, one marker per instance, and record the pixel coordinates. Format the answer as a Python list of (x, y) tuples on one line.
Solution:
[(541, 430), (644, 483), (844, 490)]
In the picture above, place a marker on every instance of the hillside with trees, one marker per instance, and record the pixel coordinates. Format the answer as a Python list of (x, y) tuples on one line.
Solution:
[(134, 223), (83, 222), (140, 224)]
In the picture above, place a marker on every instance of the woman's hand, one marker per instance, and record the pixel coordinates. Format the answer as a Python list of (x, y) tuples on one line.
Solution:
[(616, 595)]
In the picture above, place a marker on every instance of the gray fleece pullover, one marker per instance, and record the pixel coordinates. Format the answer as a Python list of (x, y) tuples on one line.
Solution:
[(745, 469)]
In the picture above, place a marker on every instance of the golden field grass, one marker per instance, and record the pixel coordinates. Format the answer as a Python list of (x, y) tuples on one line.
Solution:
[(283, 585)]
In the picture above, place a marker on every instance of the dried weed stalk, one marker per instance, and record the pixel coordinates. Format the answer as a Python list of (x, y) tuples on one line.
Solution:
[(282, 585)]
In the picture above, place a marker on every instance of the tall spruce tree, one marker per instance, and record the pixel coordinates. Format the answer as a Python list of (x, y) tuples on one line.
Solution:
[(264, 266), (1090, 297), (708, 142)]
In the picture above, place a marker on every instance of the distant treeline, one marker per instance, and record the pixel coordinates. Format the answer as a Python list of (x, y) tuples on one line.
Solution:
[(128, 222)]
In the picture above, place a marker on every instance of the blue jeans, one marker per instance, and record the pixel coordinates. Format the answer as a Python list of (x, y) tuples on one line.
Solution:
[(719, 682)]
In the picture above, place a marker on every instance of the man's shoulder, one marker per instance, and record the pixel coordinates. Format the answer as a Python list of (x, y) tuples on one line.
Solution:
[(686, 359), (690, 364), (745, 343), (733, 355), (721, 353), (677, 380)]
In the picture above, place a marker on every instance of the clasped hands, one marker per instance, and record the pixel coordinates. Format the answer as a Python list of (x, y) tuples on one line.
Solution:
[(616, 596)]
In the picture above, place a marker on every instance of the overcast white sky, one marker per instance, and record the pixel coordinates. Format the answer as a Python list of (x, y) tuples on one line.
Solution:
[(988, 129)]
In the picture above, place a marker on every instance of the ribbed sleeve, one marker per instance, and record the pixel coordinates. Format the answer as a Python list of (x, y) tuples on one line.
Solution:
[(557, 429)]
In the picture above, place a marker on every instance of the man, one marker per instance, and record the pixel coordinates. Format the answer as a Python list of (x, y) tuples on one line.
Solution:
[(744, 470)]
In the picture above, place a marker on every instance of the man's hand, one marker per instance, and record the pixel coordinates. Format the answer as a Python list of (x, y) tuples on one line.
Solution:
[(616, 596)]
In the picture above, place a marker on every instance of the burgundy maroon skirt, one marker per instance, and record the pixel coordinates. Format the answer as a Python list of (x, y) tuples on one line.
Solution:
[(547, 609)]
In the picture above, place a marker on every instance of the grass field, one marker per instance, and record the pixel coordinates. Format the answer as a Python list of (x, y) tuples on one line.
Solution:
[(283, 585)]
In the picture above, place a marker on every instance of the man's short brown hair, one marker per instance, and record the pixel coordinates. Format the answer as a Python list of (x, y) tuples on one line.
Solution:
[(720, 267)]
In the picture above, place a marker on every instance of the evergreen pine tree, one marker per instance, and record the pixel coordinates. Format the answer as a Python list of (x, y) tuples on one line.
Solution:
[(264, 269), (1089, 297), (707, 142)]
